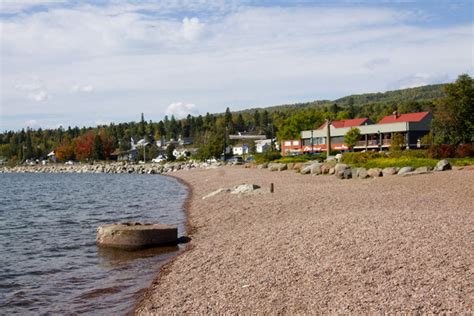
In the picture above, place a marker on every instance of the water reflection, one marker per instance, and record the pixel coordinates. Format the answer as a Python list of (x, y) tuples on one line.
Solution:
[(114, 257)]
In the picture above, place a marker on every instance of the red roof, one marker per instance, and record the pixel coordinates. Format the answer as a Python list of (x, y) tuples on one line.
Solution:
[(409, 117), (347, 123)]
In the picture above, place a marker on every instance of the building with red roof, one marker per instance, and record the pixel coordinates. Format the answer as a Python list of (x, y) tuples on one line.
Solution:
[(412, 126)]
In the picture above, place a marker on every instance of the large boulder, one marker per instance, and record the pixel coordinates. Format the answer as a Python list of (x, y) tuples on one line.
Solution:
[(421, 170), (443, 165), (389, 171), (133, 236), (306, 169), (344, 173), (316, 168), (325, 167), (362, 173), (404, 170), (374, 172), (277, 166), (244, 188), (340, 167)]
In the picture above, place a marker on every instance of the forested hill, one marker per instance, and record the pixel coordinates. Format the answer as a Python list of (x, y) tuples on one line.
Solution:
[(418, 94)]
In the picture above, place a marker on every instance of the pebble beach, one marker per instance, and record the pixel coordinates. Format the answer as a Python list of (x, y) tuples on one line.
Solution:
[(321, 245)]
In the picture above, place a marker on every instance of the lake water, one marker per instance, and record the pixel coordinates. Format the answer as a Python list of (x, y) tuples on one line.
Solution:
[(49, 262)]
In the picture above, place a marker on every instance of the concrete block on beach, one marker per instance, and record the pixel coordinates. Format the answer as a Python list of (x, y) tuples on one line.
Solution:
[(132, 236)]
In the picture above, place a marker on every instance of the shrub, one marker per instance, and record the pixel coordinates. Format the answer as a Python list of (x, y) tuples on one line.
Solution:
[(418, 153), (441, 151), (465, 150), (398, 142), (361, 157), (267, 157)]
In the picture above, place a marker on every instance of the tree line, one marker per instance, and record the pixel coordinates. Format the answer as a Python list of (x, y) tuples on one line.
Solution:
[(452, 107)]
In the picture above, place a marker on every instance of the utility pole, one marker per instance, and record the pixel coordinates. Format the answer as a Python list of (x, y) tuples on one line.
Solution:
[(312, 142), (328, 137)]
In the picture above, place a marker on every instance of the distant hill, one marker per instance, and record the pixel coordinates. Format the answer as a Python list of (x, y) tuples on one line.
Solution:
[(423, 93)]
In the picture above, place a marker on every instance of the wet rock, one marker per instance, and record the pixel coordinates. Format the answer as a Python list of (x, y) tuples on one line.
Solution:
[(133, 236)]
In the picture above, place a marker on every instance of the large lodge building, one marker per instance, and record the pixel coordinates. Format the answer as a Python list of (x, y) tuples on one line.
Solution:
[(412, 126)]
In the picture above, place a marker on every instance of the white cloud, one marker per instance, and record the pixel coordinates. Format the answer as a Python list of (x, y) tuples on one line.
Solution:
[(35, 89), (192, 28), (139, 54), (420, 79), (31, 123), (180, 109), (82, 88)]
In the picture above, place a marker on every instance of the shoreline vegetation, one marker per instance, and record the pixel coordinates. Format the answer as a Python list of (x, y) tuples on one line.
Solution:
[(390, 244)]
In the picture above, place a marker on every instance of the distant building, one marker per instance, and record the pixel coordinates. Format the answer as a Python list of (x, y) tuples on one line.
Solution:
[(240, 149), (263, 145), (412, 126)]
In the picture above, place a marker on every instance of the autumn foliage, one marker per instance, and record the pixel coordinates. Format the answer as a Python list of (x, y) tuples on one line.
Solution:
[(85, 146), (66, 151)]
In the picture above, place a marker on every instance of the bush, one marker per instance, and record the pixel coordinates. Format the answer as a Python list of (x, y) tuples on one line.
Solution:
[(361, 157), (267, 157), (441, 151), (418, 153), (466, 150)]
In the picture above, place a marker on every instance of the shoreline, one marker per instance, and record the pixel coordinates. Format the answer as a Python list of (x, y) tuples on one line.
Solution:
[(179, 288)]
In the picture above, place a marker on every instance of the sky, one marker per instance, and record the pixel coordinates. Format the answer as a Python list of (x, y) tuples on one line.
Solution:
[(88, 63)]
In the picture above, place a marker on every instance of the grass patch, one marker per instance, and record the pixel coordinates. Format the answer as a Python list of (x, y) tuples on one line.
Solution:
[(397, 162), (469, 161), (302, 158)]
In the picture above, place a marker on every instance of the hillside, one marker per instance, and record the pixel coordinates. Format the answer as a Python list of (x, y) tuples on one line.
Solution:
[(419, 94)]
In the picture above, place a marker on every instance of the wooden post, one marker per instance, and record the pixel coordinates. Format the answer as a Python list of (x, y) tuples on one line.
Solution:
[(328, 138), (271, 187)]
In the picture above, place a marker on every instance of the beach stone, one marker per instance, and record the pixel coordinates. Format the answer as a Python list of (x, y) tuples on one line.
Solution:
[(443, 165), (340, 167), (374, 172), (389, 171), (316, 168), (344, 174), (263, 165), (131, 236), (332, 170), (362, 173), (306, 169), (214, 193), (277, 166), (325, 167), (244, 188), (404, 170), (423, 169), (298, 166)]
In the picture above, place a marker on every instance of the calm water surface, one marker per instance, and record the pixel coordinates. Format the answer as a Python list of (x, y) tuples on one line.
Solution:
[(49, 262)]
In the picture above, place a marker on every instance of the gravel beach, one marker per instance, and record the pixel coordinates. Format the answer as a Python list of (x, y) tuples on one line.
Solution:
[(322, 245)]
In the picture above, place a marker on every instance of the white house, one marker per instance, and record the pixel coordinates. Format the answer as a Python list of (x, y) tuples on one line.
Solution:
[(263, 145), (240, 149)]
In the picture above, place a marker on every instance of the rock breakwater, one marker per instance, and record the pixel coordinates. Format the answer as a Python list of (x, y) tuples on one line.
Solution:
[(117, 167)]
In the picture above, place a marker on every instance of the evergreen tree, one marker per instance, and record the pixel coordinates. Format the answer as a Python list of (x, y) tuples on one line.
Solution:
[(98, 149)]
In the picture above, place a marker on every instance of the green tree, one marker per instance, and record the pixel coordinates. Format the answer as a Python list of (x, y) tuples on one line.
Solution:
[(98, 149), (352, 137), (169, 152), (454, 117), (398, 142)]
